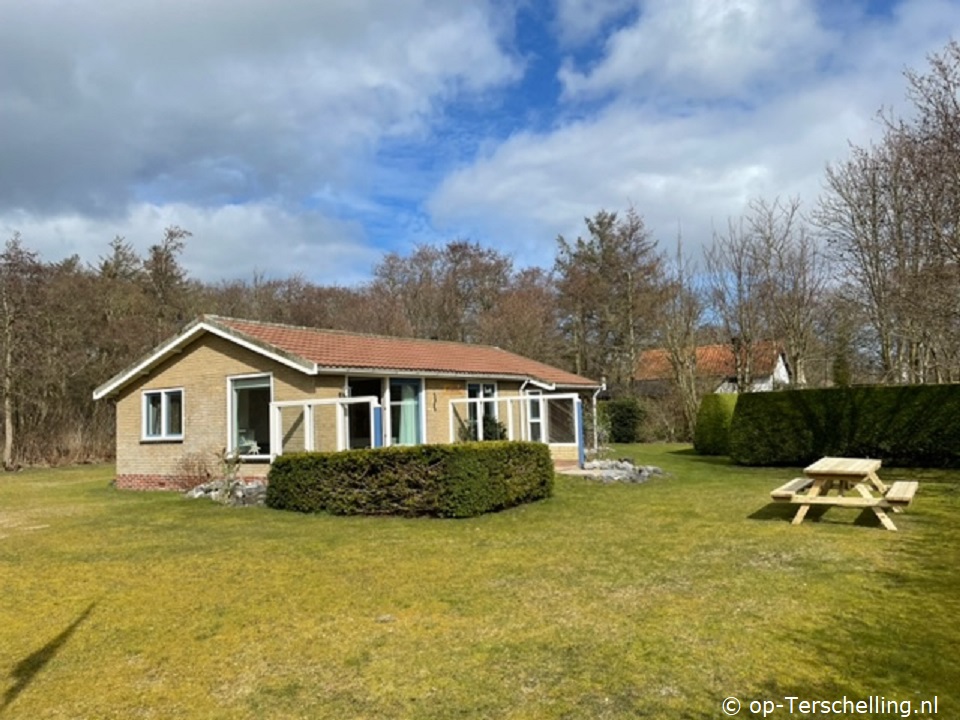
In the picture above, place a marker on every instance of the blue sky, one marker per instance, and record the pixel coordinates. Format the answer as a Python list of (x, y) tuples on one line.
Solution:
[(297, 136)]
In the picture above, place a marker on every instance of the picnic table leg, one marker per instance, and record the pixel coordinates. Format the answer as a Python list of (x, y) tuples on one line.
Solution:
[(879, 484), (878, 511), (881, 487), (814, 491)]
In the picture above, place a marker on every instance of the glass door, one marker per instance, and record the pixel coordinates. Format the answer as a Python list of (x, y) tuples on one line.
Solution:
[(405, 412)]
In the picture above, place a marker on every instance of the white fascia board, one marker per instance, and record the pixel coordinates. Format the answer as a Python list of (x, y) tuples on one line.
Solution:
[(161, 353), (543, 385), (172, 347), (445, 375), (306, 367)]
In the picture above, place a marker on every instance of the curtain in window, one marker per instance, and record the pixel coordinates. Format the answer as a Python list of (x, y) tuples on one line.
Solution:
[(154, 414), (405, 412), (408, 416), (175, 413)]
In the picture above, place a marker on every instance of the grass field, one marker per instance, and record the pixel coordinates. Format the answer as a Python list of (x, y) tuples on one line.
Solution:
[(606, 601)]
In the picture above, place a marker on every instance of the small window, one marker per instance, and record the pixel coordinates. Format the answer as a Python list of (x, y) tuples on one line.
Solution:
[(163, 415)]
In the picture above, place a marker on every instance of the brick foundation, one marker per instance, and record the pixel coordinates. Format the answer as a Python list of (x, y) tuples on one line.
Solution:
[(180, 483)]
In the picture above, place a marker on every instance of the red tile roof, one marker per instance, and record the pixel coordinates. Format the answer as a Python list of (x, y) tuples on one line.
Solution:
[(336, 349), (712, 361)]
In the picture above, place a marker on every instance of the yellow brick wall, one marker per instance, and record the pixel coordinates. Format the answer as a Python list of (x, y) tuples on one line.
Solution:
[(564, 452), (201, 369), (438, 395)]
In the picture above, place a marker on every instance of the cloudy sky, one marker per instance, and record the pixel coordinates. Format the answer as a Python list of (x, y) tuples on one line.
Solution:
[(313, 135)]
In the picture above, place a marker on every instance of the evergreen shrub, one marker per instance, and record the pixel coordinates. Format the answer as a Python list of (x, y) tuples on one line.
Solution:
[(906, 425), (623, 418), (460, 480), (711, 436)]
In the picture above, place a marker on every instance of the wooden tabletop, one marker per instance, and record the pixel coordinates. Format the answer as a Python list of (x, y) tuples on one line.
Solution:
[(858, 467)]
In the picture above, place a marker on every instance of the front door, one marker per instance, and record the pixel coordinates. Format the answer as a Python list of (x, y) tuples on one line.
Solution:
[(359, 426)]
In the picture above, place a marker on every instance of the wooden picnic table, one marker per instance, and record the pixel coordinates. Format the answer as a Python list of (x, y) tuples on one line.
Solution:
[(842, 475)]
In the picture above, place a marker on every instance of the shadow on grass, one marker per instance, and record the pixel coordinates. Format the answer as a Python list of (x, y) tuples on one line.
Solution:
[(692, 454), (785, 512), (26, 670)]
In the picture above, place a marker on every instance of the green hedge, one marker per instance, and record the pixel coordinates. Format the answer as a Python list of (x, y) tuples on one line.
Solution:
[(461, 480), (711, 436), (905, 425), (622, 418)]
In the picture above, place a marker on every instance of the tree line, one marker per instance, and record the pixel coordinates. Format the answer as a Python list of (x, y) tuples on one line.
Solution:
[(862, 286)]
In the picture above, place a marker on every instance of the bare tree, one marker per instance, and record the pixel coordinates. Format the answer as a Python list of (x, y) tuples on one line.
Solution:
[(793, 278), (891, 214), (737, 274), (682, 313), (445, 292), (20, 273)]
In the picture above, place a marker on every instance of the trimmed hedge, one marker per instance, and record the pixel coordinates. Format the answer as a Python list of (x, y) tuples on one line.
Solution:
[(906, 425), (462, 480), (711, 436)]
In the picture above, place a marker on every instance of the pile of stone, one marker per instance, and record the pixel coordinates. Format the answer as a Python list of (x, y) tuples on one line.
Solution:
[(622, 471), (236, 494)]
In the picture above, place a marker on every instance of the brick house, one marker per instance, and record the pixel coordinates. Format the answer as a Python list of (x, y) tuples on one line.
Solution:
[(262, 389), (716, 369)]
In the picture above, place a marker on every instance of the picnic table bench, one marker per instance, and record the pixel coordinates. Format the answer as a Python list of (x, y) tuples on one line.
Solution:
[(844, 474)]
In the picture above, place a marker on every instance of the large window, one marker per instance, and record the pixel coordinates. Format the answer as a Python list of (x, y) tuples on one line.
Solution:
[(163, 415), (250, 415), (561, 421), (482, 391), (405, 426)]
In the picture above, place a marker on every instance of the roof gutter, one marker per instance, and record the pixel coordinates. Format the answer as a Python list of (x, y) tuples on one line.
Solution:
[(593, 402)]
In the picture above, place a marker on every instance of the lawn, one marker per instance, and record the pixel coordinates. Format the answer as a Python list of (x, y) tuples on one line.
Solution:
[(606, 601)]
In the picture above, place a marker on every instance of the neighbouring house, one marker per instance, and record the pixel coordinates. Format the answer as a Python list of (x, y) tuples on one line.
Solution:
[(262, 389), (716, 369)]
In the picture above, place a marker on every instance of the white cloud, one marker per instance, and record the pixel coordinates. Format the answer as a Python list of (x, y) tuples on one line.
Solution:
[(103, 103), (579, 21), (708, 48), (694, 163), (230, 241), (247, 123)]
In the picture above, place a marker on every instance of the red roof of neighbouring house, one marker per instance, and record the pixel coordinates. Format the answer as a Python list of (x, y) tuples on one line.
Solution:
[(713, 361), (312, 351)]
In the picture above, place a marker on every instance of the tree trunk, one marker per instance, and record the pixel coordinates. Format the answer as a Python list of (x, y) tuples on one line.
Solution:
[(7, 389)]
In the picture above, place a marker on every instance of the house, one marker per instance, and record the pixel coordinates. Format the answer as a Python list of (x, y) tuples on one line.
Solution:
[(263, 389), (716, 369)]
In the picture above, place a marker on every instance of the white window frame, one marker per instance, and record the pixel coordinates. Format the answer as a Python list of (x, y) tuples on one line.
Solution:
[(231, 418), (164, 394), (535, 397), (480, 402), (483, 399), (387, 405)]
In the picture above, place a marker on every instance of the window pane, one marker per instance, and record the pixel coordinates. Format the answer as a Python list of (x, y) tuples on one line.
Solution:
[(174, 413), (560, 421), (405, 412), (251, 415), (154, 403)]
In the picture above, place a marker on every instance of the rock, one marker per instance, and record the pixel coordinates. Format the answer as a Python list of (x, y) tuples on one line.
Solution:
[(623, 471), (237, 494)]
